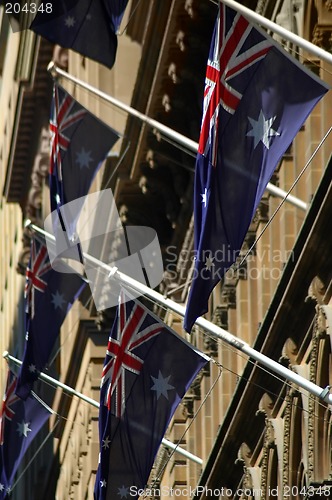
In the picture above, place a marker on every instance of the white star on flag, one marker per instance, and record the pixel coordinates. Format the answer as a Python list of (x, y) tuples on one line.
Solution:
[(209, 263), (23, 428), (262, 130), (106, 442), (204, 197), (123, 492), (161, 385), (57, 300), (84, 158), (70, 21)]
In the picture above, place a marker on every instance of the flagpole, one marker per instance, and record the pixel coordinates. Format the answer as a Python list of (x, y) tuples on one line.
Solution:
[(283, 32), (221, 334), (170, 133), (54, 382), (214, 330), (167, 131), (80, 395)]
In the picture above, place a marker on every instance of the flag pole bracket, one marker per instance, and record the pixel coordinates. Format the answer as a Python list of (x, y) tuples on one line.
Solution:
[(51, 68), (324, 395)]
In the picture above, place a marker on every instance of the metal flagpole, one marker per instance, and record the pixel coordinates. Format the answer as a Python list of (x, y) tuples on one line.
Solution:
[(214, 330), (70, 390), (167, 131), (283, 32)]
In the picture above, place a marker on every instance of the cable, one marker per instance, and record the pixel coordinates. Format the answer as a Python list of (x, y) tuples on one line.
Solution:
[(282, 201), (129, 19), (156, 479), (272, 374), (108, 182), (34, 455), (235, 267), (69, 333), (249, 360)]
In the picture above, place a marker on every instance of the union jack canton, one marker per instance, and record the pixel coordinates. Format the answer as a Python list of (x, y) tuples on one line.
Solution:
[(7, 412), (80, 143), (123, 353), (39, 265), (63, 118), (229, 57)]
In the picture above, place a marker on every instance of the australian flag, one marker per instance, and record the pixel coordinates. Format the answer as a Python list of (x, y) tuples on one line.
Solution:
[(79, 144), (49, 295), (87, 26), (20, 422), (256, 99), (148, 369)]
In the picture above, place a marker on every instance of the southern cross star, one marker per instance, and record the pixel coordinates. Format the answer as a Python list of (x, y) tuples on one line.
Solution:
[(209, 263), (123, 492), (106, 442), (70, 21), (204, 197), (23, 428), (262, 130), (161, 385)]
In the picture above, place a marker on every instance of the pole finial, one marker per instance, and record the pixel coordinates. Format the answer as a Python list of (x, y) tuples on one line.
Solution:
[(51, 68)]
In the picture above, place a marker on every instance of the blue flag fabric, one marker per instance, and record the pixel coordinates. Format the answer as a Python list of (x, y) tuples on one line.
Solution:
[(256, 99), (148, 369), (20, 422), (49, 295), (79, 144), (87, 26)]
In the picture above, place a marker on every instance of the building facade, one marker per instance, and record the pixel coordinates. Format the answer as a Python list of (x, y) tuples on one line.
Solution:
[(258, 436)]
